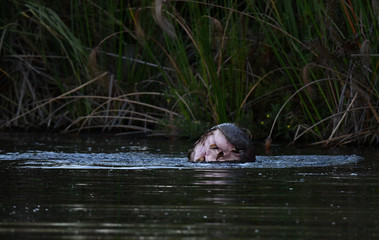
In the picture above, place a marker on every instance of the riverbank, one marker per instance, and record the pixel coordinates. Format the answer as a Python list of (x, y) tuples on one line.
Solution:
[(290, 72)]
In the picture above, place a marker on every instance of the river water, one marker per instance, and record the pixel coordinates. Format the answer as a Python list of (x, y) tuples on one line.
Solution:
[(91, 187)]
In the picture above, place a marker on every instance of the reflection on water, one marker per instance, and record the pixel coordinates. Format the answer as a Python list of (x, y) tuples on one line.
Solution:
[(227, 203), (74, 192)]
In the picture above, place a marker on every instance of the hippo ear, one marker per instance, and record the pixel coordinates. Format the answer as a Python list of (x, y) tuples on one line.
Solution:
[(247, 133), (189, 155)]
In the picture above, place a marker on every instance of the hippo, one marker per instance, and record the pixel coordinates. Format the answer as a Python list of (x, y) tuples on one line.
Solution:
[(223, 143)]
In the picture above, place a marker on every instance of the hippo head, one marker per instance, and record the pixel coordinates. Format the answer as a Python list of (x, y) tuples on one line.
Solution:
[(223, 143)]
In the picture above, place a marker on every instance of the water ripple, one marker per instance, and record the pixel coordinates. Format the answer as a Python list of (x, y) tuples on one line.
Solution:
[(141, 160)]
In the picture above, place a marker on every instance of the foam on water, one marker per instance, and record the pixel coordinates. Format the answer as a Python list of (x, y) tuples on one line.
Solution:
[(141, 160)]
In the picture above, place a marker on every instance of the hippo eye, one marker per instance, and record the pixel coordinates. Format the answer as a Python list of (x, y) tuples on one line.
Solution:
[(235, 151), (213, 146), (219, 155)]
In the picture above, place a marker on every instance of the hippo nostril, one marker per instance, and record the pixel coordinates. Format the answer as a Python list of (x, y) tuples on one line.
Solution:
[(213, 146), (219, 155)]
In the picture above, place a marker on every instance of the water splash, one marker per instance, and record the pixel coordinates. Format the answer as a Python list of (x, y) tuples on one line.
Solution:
[(142, 160)]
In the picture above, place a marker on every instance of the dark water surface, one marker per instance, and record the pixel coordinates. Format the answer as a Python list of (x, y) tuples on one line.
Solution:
[(59, 187)]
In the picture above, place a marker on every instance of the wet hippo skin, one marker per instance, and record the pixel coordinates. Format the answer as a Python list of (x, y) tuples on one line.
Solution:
[(223, 143)]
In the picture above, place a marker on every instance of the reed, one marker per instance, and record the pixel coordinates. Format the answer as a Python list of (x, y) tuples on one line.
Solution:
[(303, 70), (338, 70)]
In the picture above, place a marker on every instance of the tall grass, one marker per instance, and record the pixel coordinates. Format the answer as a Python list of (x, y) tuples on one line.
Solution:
[(287, 70), (337, 71), (55, 70)]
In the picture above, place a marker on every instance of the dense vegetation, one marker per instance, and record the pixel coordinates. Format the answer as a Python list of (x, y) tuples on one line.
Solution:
[(286, 70)]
